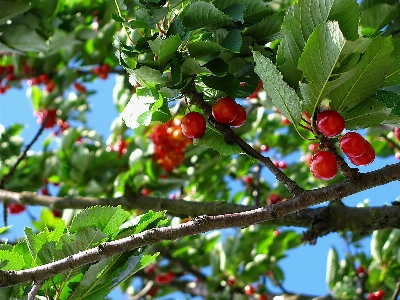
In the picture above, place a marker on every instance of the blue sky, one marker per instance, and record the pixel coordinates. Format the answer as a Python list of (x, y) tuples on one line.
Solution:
[(304, 266)]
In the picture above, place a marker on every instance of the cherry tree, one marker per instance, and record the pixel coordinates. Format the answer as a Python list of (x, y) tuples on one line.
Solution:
[(210, 94)]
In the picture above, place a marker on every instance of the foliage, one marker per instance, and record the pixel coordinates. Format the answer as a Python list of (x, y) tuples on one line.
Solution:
[(171, 57)]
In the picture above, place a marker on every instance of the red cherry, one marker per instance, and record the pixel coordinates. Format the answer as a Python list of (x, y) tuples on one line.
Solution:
[(276, 233), (63, 125), (33, 81), (44, 191), (247, 180), (282, 165), (50, 86), (353, 144), (273, 199), (372, 296), (145, 191), (366, 158), (170, 275), (231, 281), (50, 114), (323, 165), (225, 110), (2, 69), (153, 291), (193, 125), (360, 270), (80, 88), (44, 78), (57, 213), (15, 208), (264, 148), (397, 133), (397, 155), (379, 294), (240, 118), (263, 297), (330, 123), (9, 69), (313, 147), (249, 290), (285, 121)]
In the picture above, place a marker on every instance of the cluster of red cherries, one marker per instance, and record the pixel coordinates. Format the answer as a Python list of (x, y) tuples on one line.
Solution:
[(225, 111), (359, 151), (170, 143)]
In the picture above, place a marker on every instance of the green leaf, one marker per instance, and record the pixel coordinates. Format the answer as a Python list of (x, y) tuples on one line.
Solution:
[(391, 244), (347, 13), (368, 77), (332, 268), (191, 66), (235, 11), (393, 75), (145, 118), (233, 41), (201, 14), (165, 49), (283, 96), (217, 66), (136, 107), (147, 219), (11, 9), (317, 62), (147, 76), (215, 140), (368, 113), (13, 261), (24, 38), (267, 30), (296, 28), (378, 16), (390, 99), (4, 229), (228, 83), (108, 219), (200, 49)]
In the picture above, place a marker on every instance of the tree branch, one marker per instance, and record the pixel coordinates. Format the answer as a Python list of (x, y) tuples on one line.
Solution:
[(202, 224)]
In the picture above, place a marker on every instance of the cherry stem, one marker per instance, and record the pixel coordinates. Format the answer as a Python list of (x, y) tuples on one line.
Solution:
[(230, 136)]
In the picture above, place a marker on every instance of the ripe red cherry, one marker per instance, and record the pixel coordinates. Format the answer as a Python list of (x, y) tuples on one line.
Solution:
[(240, 118), (397, 133), (225, 110), (50, 114), (231, 281), (323, 165), (57, 213), (366, 158), (248, 180), (353, 144), (330, 123), (145, 191), (360, 269), (254, 95), (15, 208), (193, 125), (249, 290), (263, 297)]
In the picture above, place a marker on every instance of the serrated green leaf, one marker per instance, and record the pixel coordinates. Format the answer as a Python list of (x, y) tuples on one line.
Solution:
[(297, 26), (390, 99), (375, 18), (11, 9), (320, 55), (191, 66), (332, 268), (147, 219), (24, 38), (200, 49), (215, 140), (177, 27), (393, 75), (347, 13), (13, 261), (228, 83), (368, 77), (283, 96), (235, 11), (137, 106), (368, 113), (145, 118), (267, 30), (233, 41), (201, 14), (165, 49), (147, 76), (217, 66), (107, 219)]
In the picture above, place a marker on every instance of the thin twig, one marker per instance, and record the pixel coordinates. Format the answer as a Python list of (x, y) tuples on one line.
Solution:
[(35, 289), (396, 291), (14, 168), (144, 291)]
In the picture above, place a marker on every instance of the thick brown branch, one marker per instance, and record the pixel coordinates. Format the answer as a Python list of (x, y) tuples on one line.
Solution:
[(201, 224)]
